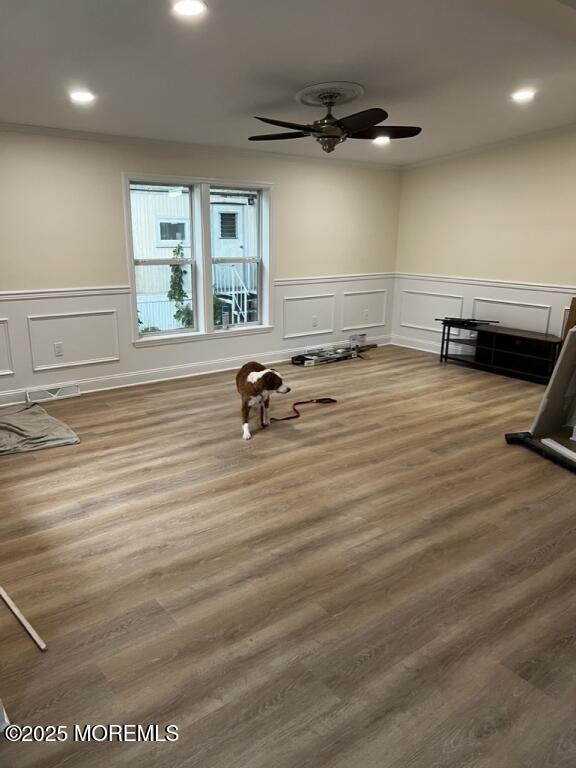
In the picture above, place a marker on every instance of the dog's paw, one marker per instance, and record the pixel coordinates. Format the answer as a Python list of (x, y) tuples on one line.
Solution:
[(246, 434)]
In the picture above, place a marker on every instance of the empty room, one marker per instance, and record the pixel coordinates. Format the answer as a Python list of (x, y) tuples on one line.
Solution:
[(287, 383)]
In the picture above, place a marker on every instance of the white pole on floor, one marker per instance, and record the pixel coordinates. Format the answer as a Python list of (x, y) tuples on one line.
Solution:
[(23, 620)]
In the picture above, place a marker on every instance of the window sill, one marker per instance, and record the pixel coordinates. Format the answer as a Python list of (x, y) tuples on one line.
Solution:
[(177, 338)]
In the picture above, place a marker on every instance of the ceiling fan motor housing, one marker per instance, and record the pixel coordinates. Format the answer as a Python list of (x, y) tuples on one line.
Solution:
[(329, 143)]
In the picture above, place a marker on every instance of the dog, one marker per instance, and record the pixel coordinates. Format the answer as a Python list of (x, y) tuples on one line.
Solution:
[(255, 383)]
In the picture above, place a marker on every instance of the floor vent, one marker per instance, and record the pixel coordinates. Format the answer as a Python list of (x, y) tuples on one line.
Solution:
[(52, 393)]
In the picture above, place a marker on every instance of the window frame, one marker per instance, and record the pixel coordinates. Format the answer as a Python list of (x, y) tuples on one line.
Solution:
[(201, 258), (258, 259), (166, 261)]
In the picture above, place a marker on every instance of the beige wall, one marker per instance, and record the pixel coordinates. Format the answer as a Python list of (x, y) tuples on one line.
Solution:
[(507, 213), (62, 209)]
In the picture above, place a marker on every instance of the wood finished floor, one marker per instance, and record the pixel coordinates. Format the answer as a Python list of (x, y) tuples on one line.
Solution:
[(382, 583)]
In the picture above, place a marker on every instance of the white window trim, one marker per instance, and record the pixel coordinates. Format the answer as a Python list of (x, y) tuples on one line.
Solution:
[(202, 249)]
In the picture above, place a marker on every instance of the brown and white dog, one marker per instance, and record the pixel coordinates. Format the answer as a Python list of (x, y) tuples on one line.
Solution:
[(256, 383)]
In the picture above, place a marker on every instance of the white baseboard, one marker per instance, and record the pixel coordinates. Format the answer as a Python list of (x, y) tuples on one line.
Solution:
[(168, 373), (422, 345)]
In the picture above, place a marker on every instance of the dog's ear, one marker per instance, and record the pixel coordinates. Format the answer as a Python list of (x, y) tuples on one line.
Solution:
[(271, 381)]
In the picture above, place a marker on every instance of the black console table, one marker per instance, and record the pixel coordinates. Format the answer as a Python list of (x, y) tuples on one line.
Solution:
[(510, 351)]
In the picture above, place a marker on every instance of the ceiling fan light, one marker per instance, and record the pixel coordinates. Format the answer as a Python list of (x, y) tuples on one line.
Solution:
[(189, 7), (381, 140), (524, 95)]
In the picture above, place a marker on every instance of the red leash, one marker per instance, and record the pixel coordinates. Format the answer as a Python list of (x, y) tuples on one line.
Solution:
[(296, 414)]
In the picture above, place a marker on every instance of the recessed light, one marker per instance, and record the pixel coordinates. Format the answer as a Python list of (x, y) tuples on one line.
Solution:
[(190, 7), (524, 95), (82, 97), (381, 140)]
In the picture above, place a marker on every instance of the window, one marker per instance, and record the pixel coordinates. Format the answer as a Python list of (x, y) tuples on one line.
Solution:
[(173, 231), (235, 256), (187, 280), (163, 259)]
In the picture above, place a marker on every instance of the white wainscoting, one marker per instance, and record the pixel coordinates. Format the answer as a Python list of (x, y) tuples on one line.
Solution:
[(308, 315), (419, 309), (87, 338), (420, 299), (364, 309), (95, 327), (6, 364), (514, 314)]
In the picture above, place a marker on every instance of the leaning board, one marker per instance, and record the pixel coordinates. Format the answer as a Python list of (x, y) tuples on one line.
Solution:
[(554, 426)]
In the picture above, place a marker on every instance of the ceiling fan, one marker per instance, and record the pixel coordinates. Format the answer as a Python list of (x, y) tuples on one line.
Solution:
[(329, 131)]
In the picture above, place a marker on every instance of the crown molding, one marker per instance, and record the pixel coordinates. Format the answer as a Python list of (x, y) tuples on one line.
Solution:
[(189, 146)]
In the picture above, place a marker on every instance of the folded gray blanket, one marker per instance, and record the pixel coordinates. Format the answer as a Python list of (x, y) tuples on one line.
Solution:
[(30, 428)]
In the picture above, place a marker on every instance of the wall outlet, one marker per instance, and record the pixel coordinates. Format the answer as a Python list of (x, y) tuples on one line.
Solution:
[(314, 321), (58, 349), (365, 314)]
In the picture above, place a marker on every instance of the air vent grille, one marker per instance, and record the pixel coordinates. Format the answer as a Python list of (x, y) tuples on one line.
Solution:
[(228, 226)]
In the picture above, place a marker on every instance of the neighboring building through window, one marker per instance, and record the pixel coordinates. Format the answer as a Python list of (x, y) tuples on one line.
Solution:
[(188, 283)]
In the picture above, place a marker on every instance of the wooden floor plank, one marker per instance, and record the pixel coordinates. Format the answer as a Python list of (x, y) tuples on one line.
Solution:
[(382, 582)]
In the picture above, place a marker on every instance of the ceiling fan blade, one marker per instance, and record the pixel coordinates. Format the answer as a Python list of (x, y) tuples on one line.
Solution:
[(393, 131), (284, 124), (276, 136), (359, 121)]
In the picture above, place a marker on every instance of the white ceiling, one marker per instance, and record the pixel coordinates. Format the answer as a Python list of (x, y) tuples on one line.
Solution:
[(446, 65)]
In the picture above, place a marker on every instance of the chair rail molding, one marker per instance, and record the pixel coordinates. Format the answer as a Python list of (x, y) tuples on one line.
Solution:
[(64, 293), (334, 278)]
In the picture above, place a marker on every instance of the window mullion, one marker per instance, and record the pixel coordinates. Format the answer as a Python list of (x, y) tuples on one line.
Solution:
[(207, 258)]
